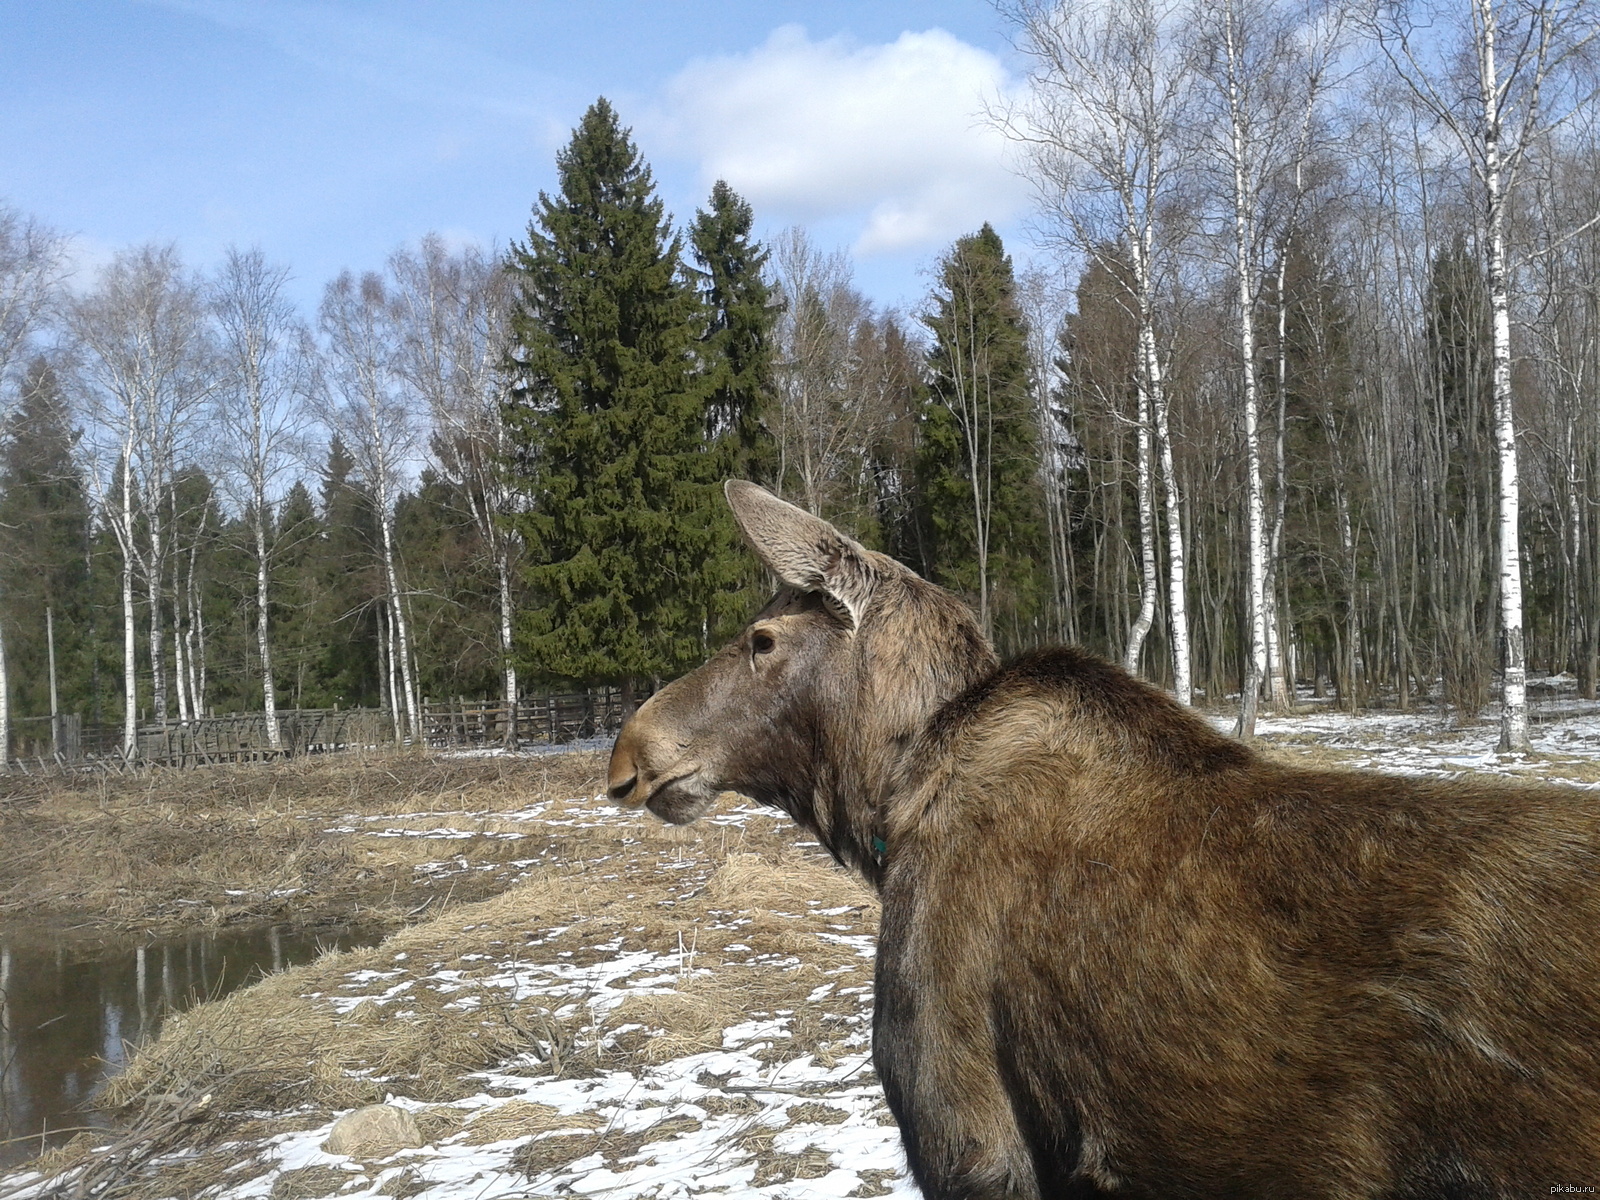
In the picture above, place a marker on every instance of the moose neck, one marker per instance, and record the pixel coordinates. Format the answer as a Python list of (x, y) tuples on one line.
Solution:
[(865, 744)]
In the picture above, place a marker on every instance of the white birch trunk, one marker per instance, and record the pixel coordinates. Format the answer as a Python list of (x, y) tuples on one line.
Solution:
[(1177, 603), (388, 696), (1244, 241), (1147, 540), (1514, 679), (397, 617), (130, 667), (158, 665), (1279, 674), (180, 666), (503, 571), (269, 691), (194, 657), (197, 642), (1514, 693)]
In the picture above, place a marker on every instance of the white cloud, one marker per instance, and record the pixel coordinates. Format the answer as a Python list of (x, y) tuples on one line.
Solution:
[(816, 130)]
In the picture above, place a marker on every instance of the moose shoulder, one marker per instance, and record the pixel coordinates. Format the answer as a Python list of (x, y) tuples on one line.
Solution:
[(1121, 953)]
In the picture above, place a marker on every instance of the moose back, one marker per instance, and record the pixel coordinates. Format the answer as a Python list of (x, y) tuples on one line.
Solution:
[(1123, 954)]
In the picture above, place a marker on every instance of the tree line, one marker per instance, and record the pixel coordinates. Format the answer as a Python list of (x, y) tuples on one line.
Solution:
[(1303, 395)]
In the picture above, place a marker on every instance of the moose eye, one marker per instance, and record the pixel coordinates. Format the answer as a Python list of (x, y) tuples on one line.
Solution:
[(762, 643)]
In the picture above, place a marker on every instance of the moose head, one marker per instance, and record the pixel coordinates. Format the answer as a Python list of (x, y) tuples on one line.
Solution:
[(815, 705)]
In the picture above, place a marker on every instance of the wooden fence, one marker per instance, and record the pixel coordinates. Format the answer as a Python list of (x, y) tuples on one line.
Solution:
[(458, 723), (553, 718)]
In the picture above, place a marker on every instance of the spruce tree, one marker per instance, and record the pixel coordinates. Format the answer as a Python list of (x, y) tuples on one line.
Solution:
[(348, 587), (453, 595), (298, 536), (738, 351), (44, 522), (608, 419), (736, 365), (978, 461)]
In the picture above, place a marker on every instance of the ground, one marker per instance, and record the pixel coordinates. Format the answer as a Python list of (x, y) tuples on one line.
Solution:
[(635, 1011)]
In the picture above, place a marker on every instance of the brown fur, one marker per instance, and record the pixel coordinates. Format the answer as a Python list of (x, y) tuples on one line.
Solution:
[(1122, 954)]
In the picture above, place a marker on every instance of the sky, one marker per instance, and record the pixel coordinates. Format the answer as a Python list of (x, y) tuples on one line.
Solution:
[(330, 133)]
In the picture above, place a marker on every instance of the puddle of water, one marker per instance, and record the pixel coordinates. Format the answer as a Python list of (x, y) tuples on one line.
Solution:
[(71, 1013)]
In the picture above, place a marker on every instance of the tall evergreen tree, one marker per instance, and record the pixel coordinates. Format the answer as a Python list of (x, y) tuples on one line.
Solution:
[(736, 364), (298, 535), (1314, 372), (738, 348), (348, 587), (43, 567), (979, 464), (889, 368), (452, 590), (608, 419)]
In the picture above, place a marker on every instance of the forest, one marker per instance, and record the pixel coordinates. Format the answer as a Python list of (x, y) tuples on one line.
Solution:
[(1299, 391)]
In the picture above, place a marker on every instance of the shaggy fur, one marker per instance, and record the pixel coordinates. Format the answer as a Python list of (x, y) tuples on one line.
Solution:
[(1124, 955)]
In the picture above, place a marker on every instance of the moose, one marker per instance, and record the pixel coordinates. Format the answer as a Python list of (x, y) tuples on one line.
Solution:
[(1123, 954)]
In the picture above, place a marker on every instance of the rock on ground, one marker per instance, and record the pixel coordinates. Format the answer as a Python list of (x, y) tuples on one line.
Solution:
[(376, 1131)]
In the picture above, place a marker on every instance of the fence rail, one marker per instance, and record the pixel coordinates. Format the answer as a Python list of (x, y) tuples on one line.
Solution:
[(242, 737), (553, 718)]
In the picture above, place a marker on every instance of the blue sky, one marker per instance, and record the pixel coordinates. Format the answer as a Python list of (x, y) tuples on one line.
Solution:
[(329, 133)]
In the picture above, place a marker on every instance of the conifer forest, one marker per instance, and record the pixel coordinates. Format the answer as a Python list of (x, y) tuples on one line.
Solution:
[(1299, 389)]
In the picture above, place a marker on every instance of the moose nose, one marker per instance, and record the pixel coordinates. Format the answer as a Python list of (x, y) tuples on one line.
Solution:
[(623, 772)]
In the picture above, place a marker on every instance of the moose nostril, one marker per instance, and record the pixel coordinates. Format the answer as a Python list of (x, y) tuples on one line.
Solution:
[(619, 791)]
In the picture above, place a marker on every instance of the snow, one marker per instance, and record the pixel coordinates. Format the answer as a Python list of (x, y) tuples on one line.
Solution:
[(1564, 731), (714, 1106)]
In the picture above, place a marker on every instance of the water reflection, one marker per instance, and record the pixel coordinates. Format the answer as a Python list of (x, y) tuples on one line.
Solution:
[(70, 1013)]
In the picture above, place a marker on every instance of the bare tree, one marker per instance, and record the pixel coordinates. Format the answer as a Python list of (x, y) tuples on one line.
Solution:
[(821, 426), (149, 364), (1044, 304), (1268, 66), (1501, 76), (269, 366), (371, 411), (454, 311), (1111, 93), (31, 265)]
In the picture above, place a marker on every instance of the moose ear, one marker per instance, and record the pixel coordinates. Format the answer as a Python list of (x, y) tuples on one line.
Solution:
[(803, 551)]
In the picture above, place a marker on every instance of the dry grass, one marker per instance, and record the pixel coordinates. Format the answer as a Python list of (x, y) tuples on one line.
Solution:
[(220, 845), (282, 1043), (740, 919), (686, 1021), (523, 1118)]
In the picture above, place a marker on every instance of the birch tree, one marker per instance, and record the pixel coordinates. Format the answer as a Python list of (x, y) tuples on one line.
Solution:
[(31, 266), (370, 410), (453, 344), (1501, 76), (261, 416), (1110, 95), (1267, 66), (148, 362), (1044, 304)]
